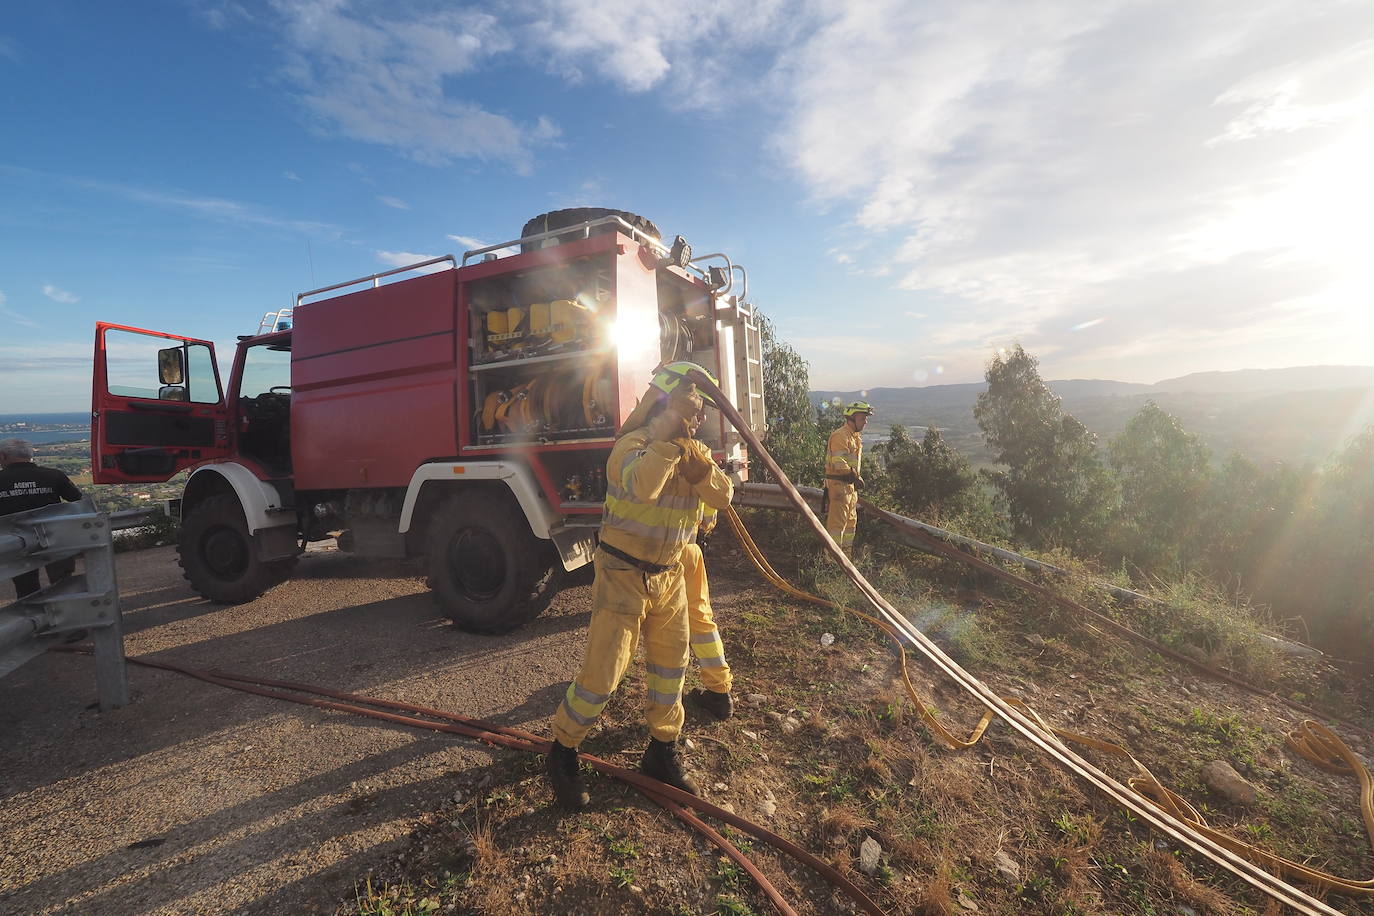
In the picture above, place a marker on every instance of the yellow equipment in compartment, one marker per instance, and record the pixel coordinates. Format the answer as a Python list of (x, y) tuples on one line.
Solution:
[(550, 402), (539, 319), (566, 316)]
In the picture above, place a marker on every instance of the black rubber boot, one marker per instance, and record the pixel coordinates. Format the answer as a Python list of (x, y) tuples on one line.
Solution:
[(716, 705), (565, 778), (662, 762)]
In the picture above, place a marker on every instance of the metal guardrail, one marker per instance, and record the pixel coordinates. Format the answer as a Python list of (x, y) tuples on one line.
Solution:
[(87, 600), (124, 519), (770, 496)]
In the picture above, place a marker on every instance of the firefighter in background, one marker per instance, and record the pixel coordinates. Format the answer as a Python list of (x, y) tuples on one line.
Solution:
[(655, 485), (24, 486), (713, 697), (842, 480)]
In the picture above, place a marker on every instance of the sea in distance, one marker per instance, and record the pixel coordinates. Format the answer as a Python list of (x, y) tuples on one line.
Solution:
[(47, 428)]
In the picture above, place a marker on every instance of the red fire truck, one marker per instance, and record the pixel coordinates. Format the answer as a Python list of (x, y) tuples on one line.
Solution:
[(459, 410)]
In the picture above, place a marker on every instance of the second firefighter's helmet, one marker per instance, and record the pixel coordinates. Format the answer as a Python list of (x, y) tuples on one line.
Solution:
[(670, 376), (854, 407)]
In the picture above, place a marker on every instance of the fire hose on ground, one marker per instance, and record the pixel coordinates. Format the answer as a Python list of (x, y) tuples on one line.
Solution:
[(1168, 817), (1146, 797), (673, 800)]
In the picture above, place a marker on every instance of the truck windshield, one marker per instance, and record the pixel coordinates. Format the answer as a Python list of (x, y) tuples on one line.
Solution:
[(266, 368)]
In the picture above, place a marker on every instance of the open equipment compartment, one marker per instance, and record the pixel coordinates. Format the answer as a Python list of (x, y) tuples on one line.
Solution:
[(542, 368)]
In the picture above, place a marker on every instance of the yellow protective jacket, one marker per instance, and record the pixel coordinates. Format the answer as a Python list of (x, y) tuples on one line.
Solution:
[(843, 451), (709, 514), (651, 510)]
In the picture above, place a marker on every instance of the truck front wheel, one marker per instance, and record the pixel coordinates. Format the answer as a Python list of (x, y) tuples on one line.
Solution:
[(218, 556), (489, 572)]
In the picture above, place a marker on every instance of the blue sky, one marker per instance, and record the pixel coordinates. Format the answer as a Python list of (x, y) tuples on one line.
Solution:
[(1132, 190)]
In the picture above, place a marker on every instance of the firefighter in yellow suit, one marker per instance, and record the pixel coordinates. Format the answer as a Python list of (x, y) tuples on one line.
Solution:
[(842, 480), (707, 647), (655, 485)]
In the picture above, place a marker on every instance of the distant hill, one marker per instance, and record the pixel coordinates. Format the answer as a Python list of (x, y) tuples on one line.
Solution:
[(1299, 415), (1297, 378)]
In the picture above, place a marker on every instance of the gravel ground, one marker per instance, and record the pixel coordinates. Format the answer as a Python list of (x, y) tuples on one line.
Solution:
[(199, 799)]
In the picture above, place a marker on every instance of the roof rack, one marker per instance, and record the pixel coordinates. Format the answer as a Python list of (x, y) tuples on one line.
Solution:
[(375, 279), (586, 229)]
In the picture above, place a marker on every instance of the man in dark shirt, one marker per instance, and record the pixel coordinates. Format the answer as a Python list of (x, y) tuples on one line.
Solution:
[(23, 486)]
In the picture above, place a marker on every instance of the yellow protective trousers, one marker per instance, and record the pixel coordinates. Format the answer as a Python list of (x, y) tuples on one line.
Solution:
[(626, 601), (707, 645), (843, 516)]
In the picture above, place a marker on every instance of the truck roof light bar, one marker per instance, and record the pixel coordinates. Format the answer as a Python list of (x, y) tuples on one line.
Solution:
[(280, 320)]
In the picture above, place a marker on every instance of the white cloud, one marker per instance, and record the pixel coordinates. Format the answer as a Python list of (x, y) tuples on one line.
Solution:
[(222, 14), (1186, 170), (213, 208), (8, 50), (59, 295), (395, 77), (471, 244), (393, 202), (1302, 94), (290, 176), (381, 78), (698, 48), (1026, 167), (14, 316), (407, 258)]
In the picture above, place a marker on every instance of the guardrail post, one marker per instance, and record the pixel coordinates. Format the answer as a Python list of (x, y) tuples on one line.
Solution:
[(88, 600)]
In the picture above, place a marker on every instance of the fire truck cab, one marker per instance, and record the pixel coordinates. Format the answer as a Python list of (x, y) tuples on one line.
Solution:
[(459, 410)]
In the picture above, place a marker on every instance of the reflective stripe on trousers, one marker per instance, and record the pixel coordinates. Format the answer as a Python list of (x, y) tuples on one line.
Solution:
[(625, 603), (843, 516), (707, 645)]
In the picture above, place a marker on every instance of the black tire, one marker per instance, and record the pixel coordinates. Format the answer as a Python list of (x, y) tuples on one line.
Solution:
[(559, 219), (218, 556), (490, 574)]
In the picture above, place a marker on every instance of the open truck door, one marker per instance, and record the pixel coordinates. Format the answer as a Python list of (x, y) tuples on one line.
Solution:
[(157, 405)]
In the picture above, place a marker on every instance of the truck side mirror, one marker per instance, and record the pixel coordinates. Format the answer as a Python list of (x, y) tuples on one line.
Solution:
[(171, 366)]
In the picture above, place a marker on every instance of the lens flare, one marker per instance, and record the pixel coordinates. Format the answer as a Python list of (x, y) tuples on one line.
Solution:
[(633, 334)]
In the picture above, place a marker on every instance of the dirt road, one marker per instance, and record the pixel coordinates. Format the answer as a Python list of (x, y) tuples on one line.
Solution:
[(199, 799)]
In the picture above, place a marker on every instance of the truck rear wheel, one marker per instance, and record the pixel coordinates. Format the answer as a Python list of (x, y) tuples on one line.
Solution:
[(218, 556), (489, 572)]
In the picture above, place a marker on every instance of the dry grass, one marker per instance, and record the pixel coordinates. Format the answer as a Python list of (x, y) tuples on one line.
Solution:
[(843, 822), (862, 764)]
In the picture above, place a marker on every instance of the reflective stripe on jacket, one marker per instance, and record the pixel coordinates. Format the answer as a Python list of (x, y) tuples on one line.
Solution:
[(843, 451), (651, 510)]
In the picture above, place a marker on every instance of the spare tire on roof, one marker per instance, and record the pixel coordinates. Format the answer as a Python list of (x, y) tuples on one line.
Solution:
[(560, 219)]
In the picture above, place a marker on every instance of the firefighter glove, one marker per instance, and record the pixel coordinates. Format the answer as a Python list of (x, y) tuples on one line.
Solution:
[(667, 426), (695, 467)]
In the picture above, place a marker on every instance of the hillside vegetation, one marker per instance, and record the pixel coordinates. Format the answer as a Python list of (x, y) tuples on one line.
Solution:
[(1297, 416), (1259, 483)]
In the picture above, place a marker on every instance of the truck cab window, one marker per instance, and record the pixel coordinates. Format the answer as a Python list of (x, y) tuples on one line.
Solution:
[(266, 369), (202, 383), (265, 405), (132, 367)]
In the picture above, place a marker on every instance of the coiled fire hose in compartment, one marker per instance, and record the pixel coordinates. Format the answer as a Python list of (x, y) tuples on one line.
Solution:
[(1166, 816)]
